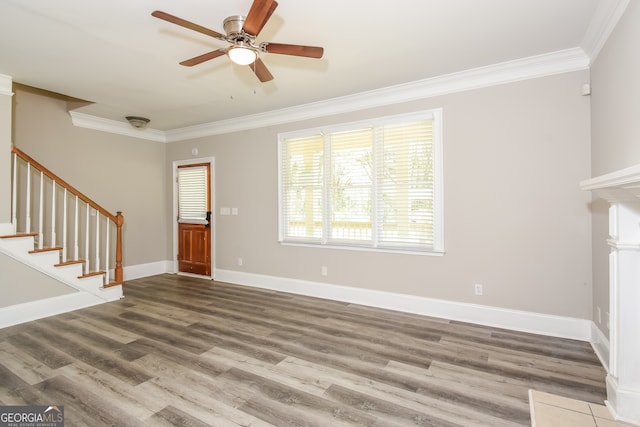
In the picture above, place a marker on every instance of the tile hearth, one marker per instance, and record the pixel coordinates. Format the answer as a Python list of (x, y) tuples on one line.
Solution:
[(548, 410)]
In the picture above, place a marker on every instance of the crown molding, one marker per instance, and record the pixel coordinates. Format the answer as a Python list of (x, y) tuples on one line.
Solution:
[(114, 126), (532, 67), (6, 85), (603, 21)]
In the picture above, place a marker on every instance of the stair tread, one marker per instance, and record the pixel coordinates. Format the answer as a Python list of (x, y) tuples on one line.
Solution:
[(76, 261), (18, 235), (91, 274), (54, 248), (111, 284)]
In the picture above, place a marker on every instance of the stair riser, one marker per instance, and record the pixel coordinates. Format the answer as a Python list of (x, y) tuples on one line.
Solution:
[(45, 259), (21, 245), (70, 272), (93, 282)]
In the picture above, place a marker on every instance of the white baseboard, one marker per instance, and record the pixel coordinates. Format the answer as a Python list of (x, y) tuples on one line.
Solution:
[(33, 310), (145, 270), (600, 345), (538, 323), (622, 401)]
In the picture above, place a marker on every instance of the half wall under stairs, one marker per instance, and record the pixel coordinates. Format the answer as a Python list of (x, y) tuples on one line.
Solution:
[(85, 290)]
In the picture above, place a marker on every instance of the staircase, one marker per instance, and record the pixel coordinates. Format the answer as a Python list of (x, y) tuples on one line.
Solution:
[(62, 233)]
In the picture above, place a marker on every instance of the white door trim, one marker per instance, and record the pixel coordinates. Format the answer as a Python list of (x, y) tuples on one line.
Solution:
[(212, 192)]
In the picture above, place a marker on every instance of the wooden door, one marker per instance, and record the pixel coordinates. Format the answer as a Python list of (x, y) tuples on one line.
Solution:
[(194, 219)]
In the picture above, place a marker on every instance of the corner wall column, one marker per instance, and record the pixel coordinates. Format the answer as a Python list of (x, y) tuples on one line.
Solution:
[(6, 126)]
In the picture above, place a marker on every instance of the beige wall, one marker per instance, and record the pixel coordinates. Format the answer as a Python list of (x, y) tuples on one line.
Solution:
[(515, 218), (120, 173), (615, 129), (21, 283), (615, 97)]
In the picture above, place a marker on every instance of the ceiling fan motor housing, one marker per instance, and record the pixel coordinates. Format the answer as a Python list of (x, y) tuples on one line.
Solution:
[(233, 25)]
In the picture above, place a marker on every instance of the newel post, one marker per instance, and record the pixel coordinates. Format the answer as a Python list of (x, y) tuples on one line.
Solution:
[(119, 277)]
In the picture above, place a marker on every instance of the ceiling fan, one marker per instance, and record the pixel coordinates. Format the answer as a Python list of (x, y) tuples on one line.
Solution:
[(241, 33)]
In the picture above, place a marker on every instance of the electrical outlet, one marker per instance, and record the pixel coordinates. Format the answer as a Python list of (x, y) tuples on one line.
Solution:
[(599, 314), (239, 262), (324, 270), (478, 289)]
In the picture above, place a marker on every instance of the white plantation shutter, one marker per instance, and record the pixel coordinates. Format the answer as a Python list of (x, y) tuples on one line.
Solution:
[(406, 186), (302, 168), (373, 185), (192, 192), (351, 186)]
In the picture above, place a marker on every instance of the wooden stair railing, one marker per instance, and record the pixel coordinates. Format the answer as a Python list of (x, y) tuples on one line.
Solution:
[(96, 241)]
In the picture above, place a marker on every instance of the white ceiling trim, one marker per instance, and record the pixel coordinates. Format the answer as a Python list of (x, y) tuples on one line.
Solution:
[(559, 62), (604, 20)]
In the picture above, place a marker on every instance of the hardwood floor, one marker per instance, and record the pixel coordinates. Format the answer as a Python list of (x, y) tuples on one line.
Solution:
[(191, 352)]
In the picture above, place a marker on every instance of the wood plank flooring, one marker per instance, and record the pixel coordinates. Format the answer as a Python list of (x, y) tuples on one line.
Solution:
[(192, 352)]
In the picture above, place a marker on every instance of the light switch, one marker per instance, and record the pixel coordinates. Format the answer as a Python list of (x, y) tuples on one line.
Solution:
[(225, 211), (234, 211)]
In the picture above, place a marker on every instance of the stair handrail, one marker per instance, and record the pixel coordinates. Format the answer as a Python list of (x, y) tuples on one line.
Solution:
[(118, 218)]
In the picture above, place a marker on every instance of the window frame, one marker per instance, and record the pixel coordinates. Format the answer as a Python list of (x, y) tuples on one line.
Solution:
[(438, 200)]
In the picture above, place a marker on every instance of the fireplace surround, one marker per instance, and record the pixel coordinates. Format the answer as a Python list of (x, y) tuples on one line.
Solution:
[(621, 189)]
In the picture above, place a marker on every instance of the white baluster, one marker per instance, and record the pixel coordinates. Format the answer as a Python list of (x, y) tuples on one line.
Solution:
[(53, 213), (40, 215), (64, 226), (14, 195), (28, 202), (97, 240), (86, 241), (106, 251), (76, 254)]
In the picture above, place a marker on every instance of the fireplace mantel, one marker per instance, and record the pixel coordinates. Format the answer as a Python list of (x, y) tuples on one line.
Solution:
[(622, 190)]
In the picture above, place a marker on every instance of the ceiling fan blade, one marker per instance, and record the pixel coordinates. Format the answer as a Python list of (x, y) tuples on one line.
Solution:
[(259, 14), (202, 58), (186, 24), (296, 50), (261, 70)]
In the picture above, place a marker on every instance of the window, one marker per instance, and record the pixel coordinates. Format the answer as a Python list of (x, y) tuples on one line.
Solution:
[(374, 184), (192, 193)]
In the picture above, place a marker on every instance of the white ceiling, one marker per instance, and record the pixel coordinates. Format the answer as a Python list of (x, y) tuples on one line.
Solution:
[(115, 54)]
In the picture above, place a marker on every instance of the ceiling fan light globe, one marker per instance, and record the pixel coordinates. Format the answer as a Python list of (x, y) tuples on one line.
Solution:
[(242, 55)]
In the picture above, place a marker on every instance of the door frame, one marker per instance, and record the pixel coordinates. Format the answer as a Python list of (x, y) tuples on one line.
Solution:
[(212, 192)]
